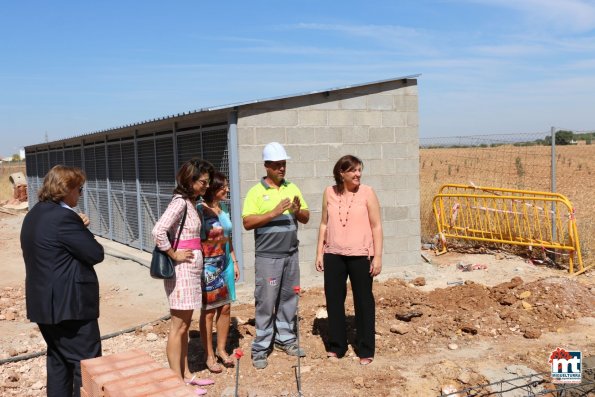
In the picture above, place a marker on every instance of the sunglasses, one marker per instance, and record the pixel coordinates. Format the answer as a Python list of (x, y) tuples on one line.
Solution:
[(275, 164), (80, 190)]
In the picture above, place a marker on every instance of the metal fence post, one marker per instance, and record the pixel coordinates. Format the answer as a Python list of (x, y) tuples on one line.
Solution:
[(139, 208), (234, 183), (108, 188), (553, 181)]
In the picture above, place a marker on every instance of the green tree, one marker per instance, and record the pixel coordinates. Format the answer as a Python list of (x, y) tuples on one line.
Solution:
[(563, 137), (16, 157)]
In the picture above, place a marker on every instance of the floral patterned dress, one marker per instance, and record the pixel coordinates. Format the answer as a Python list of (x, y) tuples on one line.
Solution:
[(218, 283)]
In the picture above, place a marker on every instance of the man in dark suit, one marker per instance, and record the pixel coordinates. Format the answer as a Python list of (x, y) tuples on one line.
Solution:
[(62, 290)]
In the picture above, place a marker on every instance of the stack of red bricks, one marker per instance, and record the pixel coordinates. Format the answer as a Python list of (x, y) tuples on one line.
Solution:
[(130, 374)]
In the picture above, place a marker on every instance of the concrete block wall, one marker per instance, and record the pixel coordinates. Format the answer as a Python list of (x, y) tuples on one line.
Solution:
[(376, 122)]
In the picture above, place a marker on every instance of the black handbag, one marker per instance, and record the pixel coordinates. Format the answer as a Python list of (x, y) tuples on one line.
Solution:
[(162, 266)]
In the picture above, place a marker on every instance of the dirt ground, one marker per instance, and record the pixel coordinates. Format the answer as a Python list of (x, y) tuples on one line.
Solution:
[(439, 328)]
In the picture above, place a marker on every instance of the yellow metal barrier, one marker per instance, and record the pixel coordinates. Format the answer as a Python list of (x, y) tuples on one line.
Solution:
[(508, 216)]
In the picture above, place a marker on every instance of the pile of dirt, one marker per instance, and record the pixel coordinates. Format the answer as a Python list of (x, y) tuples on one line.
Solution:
[(410, 323)]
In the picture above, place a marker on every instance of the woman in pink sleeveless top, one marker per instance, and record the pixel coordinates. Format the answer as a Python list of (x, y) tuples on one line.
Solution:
[(350, 245)]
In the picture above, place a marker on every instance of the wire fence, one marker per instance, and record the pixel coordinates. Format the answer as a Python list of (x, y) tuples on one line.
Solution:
[(538, 384), (514, 161)]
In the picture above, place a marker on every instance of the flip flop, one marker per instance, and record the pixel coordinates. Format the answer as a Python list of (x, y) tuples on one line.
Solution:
[(366, 360), (214, 367), (200, 382), (226, 360)]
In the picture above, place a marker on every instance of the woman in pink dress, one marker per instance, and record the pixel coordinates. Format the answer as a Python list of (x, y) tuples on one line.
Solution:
[(350, 245), (183, 290)]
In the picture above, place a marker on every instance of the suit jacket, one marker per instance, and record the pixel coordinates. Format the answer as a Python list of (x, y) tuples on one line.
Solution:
[(59, 252)]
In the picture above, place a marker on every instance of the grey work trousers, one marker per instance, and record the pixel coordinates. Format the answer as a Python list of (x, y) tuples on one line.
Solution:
[(275, 300)]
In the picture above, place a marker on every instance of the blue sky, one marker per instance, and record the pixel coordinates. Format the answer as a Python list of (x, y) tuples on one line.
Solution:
[(488, 66)]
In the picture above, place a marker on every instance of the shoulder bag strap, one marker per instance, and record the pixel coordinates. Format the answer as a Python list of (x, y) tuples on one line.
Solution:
[(181, 224)]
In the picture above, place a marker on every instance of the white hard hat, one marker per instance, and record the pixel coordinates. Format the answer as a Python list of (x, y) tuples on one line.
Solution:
[(274, 151)]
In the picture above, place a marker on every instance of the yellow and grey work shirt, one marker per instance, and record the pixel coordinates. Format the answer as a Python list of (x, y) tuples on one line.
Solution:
[(278, 238)]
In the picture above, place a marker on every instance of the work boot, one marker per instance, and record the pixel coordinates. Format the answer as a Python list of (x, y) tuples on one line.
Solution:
[(259, 361), (291, 349)]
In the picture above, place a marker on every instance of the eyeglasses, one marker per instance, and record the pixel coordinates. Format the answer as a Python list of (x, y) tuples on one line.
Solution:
[(80, 190), (276, 164)]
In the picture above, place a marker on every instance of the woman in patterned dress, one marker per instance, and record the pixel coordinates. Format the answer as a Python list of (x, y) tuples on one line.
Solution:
[(220, 272), (183, 290)]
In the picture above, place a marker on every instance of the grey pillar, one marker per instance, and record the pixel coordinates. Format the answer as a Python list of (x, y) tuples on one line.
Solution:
[(234, 184)]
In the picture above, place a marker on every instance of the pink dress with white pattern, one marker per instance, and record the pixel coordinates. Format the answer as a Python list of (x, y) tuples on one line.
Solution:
[(183, 290)]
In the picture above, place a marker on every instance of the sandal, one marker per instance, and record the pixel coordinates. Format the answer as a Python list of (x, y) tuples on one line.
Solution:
[(199, 382), (213, 366), (225, 359), (366, 361)]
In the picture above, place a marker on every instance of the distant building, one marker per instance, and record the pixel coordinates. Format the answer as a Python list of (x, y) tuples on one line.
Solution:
[(131, 169)]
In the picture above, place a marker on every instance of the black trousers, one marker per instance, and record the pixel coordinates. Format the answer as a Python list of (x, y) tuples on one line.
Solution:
[(69, 342), (336, 270)]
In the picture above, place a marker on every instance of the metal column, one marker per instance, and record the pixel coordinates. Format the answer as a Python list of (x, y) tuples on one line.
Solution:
[(234, 183)]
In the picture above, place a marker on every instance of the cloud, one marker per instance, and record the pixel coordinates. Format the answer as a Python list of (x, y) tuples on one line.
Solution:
[(565, 15), (399, 39), (379, 32), (510, 50), (286, 49)]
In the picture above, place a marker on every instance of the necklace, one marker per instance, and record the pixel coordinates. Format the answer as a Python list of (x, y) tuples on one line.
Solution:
[(214, 207), (347, 211)]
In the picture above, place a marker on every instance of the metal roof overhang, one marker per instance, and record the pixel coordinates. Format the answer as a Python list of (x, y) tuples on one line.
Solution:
[(205, 115)]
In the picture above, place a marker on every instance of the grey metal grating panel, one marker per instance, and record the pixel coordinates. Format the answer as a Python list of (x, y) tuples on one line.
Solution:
[(128, 168), (132, 229), (32, 178), (31, 165), (90, 167), (146, 165), (214, 146), (114, 161), (103, 212), (120, 211), (92, 211), (125, 218), (118, 216), (162, 205), (166, 170), (56, 158), (189, 146), (33, 185), (208, 145), (72, 157), (43, 163), (69, 157), (150, 215), (101, 167)]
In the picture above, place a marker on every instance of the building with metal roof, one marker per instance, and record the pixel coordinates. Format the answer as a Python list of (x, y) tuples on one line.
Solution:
[(131, 169)]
